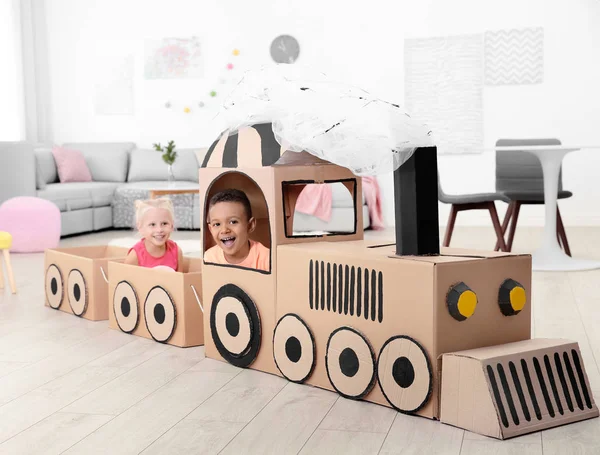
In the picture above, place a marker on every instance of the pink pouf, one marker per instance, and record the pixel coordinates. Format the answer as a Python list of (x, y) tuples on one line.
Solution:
[(34, 224)]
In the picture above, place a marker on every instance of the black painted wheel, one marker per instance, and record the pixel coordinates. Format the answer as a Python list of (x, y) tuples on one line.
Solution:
[(294, 348), (77, 292), (160, 314), (404, 374), (54, 286), (350, 363), (126, 307), (235, 325)]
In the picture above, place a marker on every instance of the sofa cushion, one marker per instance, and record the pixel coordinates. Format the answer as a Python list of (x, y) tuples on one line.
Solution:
[(147, 165), (45, 167), (185, 169), (107, 160), (79, 195), (71, 165), (103, 193), (340, 196)]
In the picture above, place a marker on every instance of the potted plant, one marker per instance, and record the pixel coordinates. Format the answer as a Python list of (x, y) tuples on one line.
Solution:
[(168, 155)]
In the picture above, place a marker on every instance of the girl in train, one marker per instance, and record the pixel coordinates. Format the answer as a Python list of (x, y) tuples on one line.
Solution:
[(155, 221)]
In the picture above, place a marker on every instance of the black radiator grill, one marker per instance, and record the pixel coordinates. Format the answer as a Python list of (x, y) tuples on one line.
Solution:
[(344, 289)]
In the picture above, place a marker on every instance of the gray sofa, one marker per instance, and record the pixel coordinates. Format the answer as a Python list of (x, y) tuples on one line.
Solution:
[(121, 173)]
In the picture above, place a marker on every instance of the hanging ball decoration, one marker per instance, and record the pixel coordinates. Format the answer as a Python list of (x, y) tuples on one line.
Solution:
[(201, 104), (230, 66), (236, 52), (213, 93), (167, 104), (187, 110)]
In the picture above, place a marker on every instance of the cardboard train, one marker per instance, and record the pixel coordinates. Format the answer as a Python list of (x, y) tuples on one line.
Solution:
[(444, 334)]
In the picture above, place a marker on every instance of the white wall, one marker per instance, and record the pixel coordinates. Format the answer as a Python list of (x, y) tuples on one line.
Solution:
[(11, 88), (566, 105), (360, 44)]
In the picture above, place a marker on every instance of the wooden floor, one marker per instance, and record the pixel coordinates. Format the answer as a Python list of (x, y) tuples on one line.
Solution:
[(72, 386)]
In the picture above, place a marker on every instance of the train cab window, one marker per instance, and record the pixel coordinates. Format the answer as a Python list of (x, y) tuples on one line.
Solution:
[(223, 231), (317, 209)]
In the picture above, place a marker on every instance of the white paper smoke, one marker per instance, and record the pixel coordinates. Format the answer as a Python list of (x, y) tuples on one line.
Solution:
[(339, 123)]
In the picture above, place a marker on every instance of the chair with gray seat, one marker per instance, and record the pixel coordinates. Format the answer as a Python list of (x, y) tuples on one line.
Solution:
[(476, 201), (520, 178)]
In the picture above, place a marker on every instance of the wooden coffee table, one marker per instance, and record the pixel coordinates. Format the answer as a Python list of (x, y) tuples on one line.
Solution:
[(163, 192), (173, 188)]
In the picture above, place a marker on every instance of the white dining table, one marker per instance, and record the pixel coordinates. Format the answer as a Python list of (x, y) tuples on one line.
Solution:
[(550, 257)]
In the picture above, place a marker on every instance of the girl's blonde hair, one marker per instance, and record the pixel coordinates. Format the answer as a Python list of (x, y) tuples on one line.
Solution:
[(142, 206)]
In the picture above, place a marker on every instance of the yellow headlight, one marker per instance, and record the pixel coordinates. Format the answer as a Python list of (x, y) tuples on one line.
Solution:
[(511, 297), (461, 301)]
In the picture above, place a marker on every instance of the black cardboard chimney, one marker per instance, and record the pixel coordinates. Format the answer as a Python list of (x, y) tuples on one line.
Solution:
[(416, 204)]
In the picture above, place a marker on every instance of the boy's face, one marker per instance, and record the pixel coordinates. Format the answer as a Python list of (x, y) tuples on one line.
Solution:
[(156, 226), (230, 228)]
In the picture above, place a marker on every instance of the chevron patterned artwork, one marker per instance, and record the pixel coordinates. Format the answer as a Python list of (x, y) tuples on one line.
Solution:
[(443, 85), (514, 56)]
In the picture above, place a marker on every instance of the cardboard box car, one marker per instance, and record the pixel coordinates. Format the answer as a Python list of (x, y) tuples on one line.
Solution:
[(158, 304), (516, 388), (75, 279)]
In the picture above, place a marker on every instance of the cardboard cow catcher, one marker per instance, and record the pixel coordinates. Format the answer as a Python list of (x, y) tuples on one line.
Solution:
[(157, 304), (76, 279), (376, 321), (516, 388)]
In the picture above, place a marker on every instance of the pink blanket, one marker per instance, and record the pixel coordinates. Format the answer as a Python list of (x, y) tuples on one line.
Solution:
[(316, 200)]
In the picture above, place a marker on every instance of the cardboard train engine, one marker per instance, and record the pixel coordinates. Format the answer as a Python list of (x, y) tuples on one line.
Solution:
[(444, 335)]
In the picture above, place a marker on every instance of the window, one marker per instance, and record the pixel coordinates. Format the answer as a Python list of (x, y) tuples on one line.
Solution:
[(316, 209)]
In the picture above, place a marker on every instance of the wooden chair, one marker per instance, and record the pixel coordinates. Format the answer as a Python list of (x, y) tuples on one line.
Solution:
[(477, 201), (520, 178), (5, 244)]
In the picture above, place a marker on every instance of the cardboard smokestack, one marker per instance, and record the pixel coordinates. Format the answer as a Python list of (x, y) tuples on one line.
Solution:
[(416, 204)]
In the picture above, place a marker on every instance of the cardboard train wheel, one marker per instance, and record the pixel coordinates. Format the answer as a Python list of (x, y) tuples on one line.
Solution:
[(77, 292), (350, 363), (160, 314), (54, 286), (404, 374), (294, 348), (126, 307), (235, 325)]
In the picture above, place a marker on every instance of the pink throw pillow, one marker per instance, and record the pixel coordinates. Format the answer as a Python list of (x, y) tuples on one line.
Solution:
[(71, 165)]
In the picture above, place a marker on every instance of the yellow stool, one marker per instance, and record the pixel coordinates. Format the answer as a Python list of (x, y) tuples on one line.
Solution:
[(5, 244)]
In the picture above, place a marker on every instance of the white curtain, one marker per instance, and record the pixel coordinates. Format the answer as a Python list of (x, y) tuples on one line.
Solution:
[(12, 123)]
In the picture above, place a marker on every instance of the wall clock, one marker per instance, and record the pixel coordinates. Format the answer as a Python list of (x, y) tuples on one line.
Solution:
[(285, 49)]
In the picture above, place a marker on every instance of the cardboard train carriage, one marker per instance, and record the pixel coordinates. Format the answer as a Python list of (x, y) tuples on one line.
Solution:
[(93, 283), (76, 279), (444, 336), (157, 304)]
